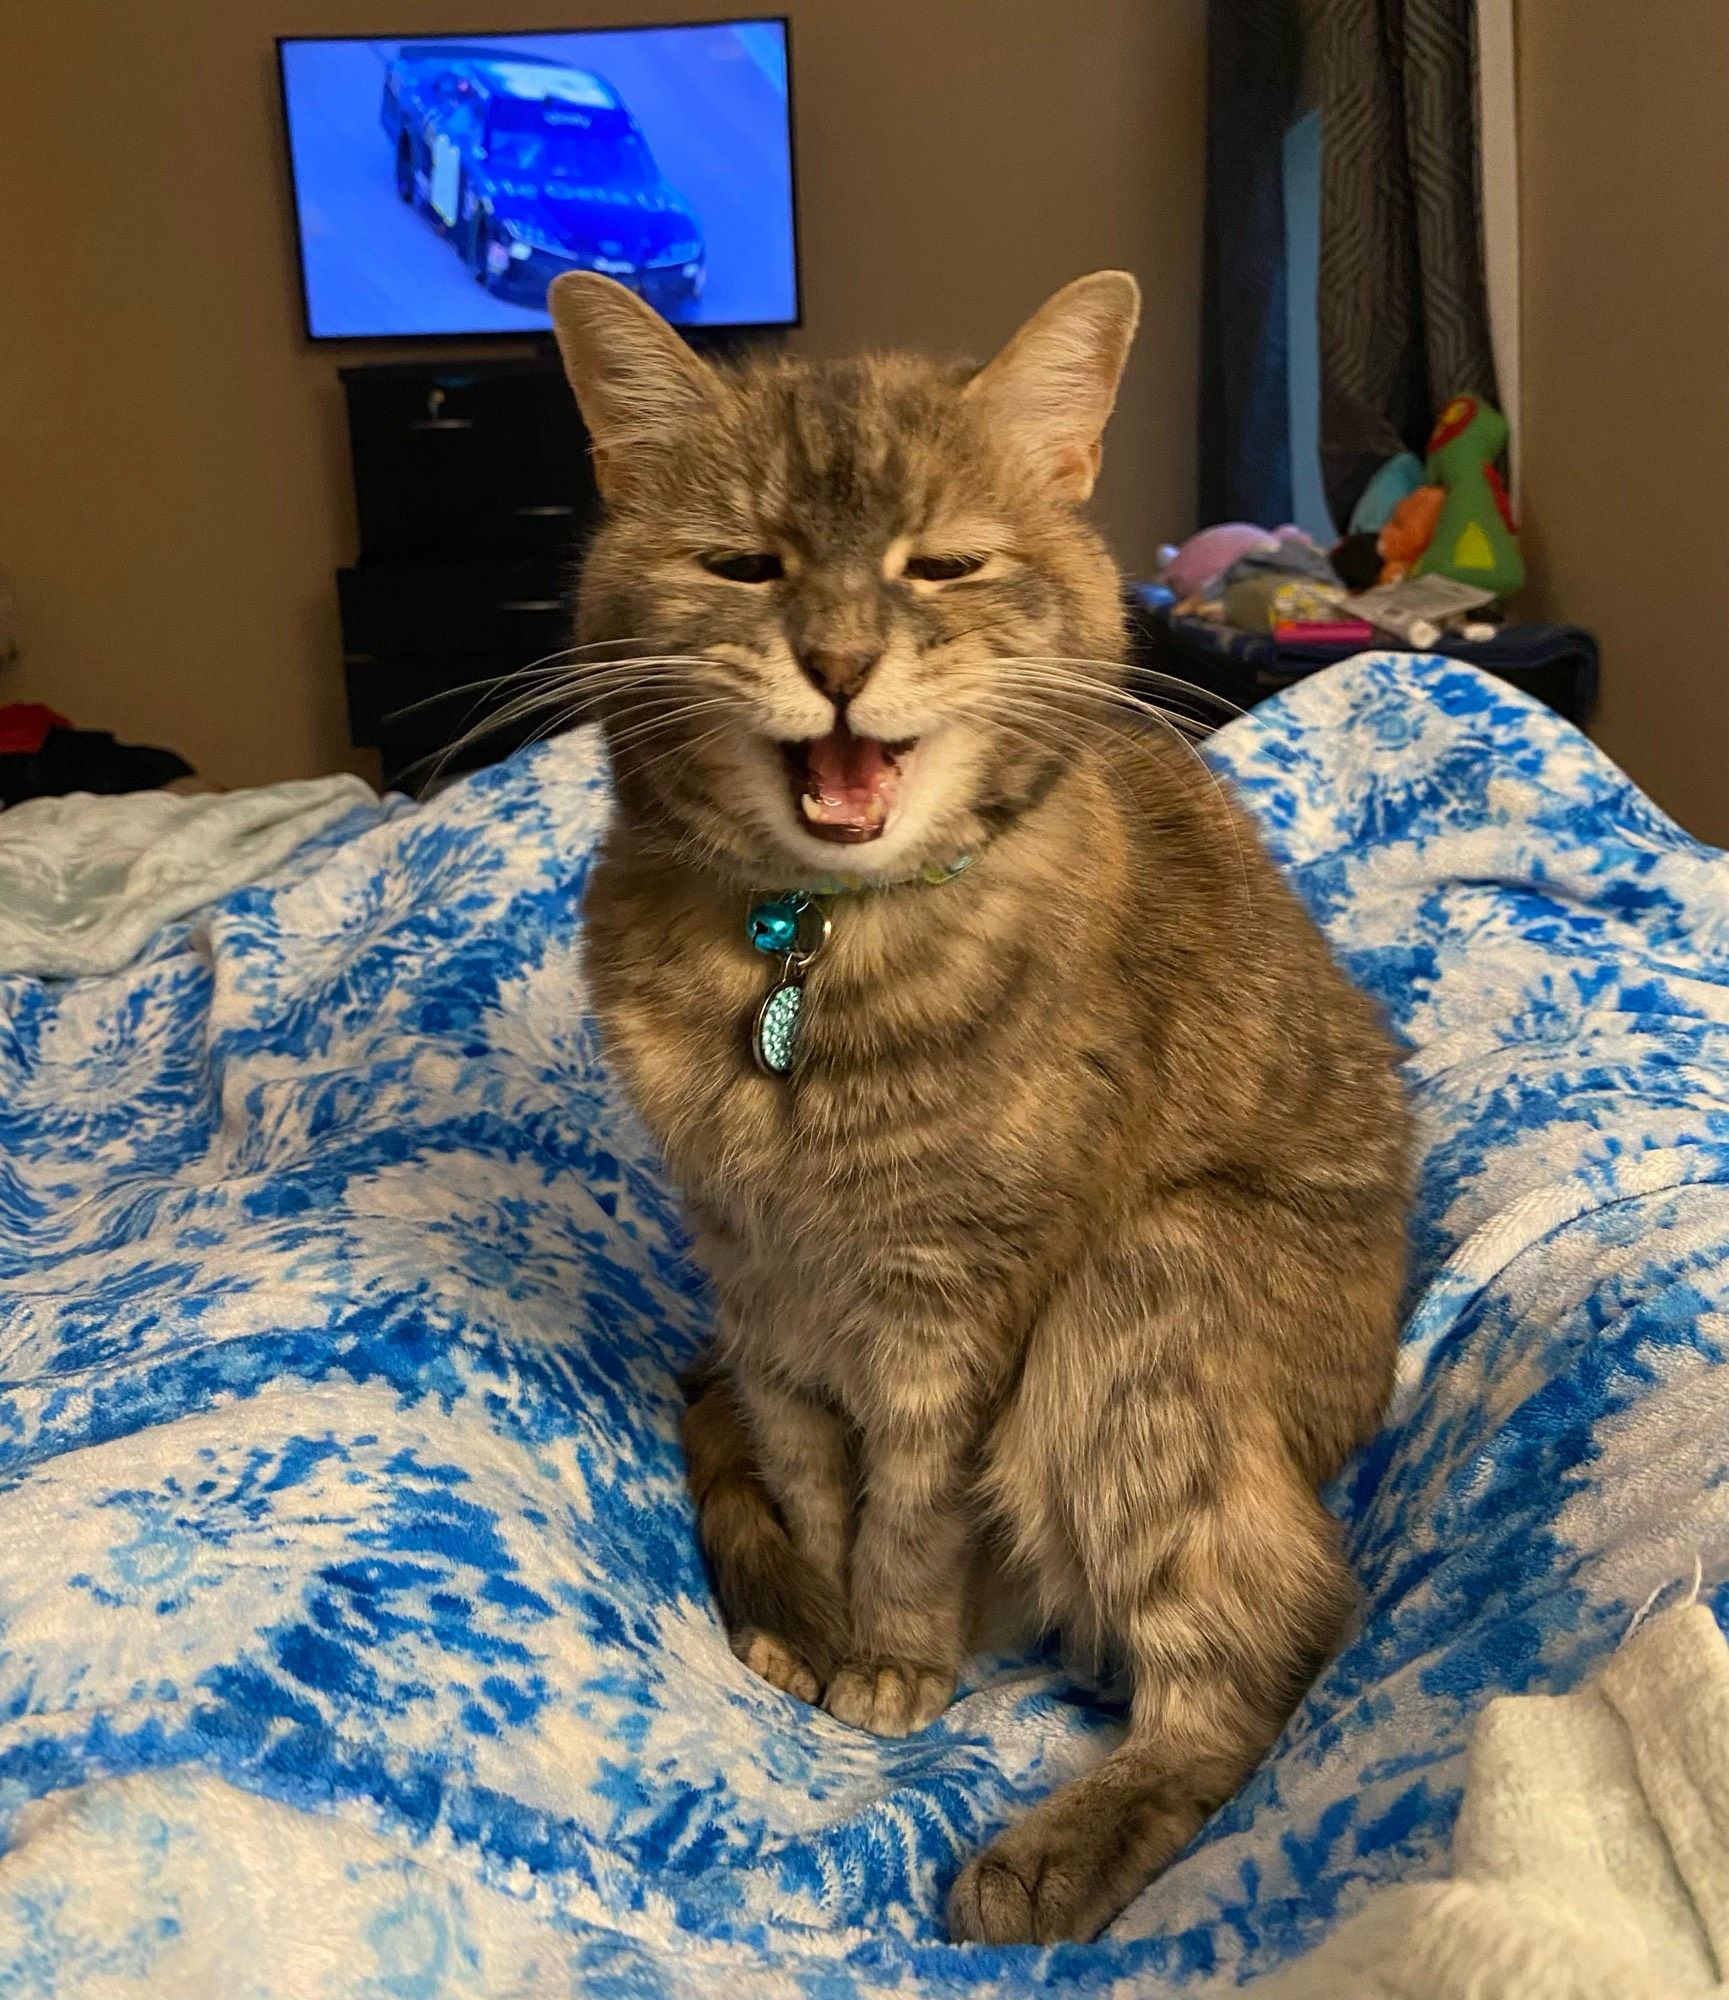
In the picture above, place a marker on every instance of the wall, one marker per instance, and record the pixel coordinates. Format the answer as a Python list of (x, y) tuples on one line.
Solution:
[(173, 473), (1624, 220)]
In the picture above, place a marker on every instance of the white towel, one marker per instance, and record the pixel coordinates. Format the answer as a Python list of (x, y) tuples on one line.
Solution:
[(86, 882), (1591, 1856)]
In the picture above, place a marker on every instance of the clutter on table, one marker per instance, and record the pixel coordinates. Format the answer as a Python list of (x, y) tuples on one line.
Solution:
[(1421, 610), (1431, 550), (1208, 671), (1428, 561)]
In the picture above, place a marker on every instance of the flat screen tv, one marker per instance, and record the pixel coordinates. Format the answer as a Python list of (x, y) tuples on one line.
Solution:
[(442, 182)]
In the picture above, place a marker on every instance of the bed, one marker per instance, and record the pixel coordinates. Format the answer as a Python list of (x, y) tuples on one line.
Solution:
[(353, 1637)]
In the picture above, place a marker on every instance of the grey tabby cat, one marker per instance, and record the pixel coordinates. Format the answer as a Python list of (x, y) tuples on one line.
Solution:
[(1074, 1232)]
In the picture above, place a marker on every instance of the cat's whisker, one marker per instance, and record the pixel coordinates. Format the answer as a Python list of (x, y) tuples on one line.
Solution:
[(1061, 684), (540, 735), (561, 719), (614, 708), (437, 762), (1106, 690), (1052, 706), (634, 735), (1129, 673), (589, 707), (1104, 693), (1023, 733), (596, 703), (1148, 713), (1151, 713), (547, 662), (1058, 697), (1141, 712), (554, 669), (1033, 726), (684, 749), (667, 667), (627, 672)]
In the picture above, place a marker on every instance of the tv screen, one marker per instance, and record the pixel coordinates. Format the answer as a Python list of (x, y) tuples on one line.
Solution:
[(441, 183)]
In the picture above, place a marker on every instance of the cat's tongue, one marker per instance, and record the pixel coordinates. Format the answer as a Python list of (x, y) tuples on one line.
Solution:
[(849, 785)]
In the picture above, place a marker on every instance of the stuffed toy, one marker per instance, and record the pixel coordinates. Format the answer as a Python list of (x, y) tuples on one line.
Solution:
[(1409, 530), (1207, 554), (1473, 539), (1397, 480)]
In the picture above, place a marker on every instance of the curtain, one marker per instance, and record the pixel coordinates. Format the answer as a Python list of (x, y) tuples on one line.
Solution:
[(1403, 309), (1254, 77)]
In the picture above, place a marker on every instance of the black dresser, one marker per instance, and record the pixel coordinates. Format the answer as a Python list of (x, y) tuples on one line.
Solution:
[(474, 493)]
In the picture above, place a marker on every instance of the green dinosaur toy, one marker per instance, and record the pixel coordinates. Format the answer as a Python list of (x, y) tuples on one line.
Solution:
[(1474, 536)]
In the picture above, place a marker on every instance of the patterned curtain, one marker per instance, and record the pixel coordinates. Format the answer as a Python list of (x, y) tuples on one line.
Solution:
[(1404, 317)]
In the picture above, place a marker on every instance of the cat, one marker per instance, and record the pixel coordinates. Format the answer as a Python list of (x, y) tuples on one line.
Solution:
[(1073, 1232)]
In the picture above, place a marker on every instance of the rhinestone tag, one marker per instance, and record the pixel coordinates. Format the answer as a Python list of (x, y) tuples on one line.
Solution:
[(774, 1040)]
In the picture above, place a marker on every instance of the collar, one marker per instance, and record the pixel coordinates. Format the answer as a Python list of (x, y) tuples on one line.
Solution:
[(774, 919), (794, 925)]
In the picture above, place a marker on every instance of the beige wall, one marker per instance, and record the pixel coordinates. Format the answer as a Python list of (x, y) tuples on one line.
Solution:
[(1624, 216), (173, 468)]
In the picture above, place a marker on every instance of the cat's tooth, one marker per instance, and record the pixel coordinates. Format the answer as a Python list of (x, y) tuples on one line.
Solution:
[(811, 808)]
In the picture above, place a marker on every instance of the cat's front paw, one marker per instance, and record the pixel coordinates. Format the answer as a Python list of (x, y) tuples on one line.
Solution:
[(778, 1663), (888, 1698), (1057, 1876)]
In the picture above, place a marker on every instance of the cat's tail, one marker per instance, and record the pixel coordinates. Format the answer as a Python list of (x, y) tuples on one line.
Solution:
[(773, 1597)]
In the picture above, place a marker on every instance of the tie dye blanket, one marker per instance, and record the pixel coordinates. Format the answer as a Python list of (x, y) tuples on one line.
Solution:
[(353, 1641)]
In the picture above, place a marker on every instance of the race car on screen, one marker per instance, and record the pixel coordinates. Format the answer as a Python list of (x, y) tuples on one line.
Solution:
[(530, 168)]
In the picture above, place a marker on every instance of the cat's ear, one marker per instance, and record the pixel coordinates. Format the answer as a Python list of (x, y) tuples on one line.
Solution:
[(636, 382), (1051, 389)]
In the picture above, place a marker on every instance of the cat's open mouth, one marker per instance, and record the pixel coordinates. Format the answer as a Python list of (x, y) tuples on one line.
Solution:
[(846, 787)]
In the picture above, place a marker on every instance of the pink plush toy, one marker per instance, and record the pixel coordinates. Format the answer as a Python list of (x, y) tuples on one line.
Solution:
[(1190, 568)]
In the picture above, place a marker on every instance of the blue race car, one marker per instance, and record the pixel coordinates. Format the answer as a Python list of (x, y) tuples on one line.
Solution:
[(531, 168)]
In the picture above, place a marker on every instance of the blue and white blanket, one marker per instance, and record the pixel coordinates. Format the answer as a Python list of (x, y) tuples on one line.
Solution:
[(353, 1640)]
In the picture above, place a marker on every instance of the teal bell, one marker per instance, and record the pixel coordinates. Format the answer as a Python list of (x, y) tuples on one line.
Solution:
[(773, 926)]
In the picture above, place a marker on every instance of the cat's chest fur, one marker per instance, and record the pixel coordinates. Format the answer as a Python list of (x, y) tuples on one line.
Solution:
[(943, 1114)]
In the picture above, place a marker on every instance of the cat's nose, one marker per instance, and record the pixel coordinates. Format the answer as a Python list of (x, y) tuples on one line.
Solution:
[(838, 672)]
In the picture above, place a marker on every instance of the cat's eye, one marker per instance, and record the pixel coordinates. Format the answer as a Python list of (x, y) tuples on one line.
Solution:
[(942, 569), (744, 565)]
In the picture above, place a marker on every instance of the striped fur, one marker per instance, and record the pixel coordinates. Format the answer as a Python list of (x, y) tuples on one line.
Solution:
[(1076, 1237)]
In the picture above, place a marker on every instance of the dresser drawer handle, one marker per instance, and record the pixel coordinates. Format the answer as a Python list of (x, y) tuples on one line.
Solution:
[(442, 424), (542, 513), (531, 604)]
